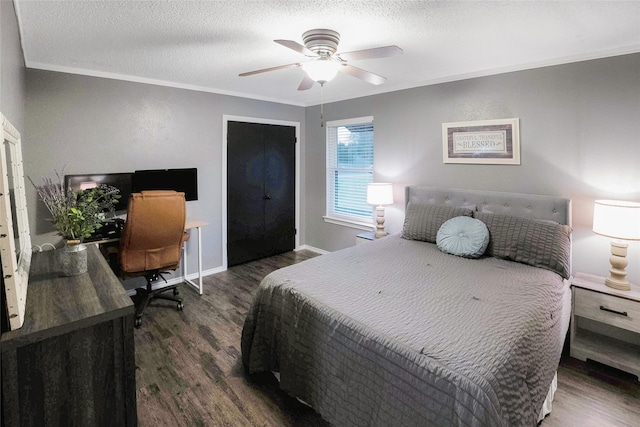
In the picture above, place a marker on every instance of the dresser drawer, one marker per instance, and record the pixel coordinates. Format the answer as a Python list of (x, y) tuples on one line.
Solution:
[(609, 309)]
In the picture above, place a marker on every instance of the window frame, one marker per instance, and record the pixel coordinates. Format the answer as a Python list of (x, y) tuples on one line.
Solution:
[(332, 216)]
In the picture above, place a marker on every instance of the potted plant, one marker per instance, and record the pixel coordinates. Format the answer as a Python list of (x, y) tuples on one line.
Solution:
[(76, 215)]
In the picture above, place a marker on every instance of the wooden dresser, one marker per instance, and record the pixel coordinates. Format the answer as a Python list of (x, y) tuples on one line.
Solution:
[(73, 360)]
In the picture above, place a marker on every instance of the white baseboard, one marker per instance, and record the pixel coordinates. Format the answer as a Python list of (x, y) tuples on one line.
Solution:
[(194, 276), (208, 272), (313, 249), (177, 280)]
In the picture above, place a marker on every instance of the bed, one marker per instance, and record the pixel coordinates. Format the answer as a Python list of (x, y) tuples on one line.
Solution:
[(398, 332)]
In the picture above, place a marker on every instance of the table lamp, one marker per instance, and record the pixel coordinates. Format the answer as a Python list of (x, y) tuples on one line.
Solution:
[(618, 220), (379, 194)]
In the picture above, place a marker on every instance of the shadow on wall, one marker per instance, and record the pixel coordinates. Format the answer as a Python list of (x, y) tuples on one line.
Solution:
[(43, 216)]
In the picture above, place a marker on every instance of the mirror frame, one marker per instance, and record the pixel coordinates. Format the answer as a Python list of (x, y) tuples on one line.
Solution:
[(15, 261)]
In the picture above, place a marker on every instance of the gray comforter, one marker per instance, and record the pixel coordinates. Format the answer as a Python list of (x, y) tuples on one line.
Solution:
[(398, 333)]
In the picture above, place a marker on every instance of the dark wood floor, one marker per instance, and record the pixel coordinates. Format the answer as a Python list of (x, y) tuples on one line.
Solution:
[(189, 371)]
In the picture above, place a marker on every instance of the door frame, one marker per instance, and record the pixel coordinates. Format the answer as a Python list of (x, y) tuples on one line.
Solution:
[(230, 118)]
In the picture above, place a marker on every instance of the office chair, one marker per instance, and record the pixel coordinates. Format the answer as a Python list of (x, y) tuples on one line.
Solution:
[(152, 242)]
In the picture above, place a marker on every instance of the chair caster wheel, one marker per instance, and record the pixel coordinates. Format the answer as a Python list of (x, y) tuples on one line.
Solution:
[(180, 306), (138, 322), (175, 291)]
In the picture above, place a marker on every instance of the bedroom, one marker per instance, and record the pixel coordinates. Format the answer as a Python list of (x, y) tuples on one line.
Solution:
[(579, 129)]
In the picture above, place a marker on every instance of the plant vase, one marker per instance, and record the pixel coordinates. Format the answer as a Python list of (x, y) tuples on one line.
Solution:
[(73, 258)]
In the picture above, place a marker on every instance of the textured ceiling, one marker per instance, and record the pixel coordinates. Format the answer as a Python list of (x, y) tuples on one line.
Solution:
[(204, 45)]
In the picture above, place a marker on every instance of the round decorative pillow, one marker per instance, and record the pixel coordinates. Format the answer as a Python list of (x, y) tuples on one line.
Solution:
[(463, 236)]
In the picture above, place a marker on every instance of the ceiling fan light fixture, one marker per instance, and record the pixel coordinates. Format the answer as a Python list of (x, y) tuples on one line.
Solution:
[(321, 70), (321, 45)]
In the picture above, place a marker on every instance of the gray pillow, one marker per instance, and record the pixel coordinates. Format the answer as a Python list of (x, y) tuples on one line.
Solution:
[(422, 222), (543, 244)]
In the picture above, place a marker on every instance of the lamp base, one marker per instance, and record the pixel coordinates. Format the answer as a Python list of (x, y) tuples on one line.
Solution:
[(379, 231), (622, 286), (618, 273)]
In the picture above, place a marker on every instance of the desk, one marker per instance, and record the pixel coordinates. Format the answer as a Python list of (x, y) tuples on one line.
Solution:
[(73, 360), (189, 225)]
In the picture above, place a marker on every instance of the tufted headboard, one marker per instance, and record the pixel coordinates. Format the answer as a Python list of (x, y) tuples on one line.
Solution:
[(526, 205)]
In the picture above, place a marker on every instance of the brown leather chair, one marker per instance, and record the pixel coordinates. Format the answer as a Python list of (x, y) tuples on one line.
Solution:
[(152, 242)]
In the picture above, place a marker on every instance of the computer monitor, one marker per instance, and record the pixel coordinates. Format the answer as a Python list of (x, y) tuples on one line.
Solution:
[(182, 180), (121, 181)]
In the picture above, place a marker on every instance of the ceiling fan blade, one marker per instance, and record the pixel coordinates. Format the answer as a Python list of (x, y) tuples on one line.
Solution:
[(264, 70), (296, 46), (362, 74), (306, 83), (376, 52)]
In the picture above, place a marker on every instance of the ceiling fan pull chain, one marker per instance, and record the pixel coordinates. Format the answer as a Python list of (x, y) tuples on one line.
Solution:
[(321, 105)]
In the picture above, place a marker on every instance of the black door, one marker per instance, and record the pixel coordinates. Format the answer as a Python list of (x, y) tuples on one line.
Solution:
[(260, 191)]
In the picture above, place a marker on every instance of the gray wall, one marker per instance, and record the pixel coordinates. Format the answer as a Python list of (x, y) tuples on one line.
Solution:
[(579, 123), (579, 131), (95, 125), (12, 70)]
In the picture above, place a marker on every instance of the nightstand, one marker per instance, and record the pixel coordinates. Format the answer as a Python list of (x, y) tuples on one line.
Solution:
[(605, 324), (364, 238)]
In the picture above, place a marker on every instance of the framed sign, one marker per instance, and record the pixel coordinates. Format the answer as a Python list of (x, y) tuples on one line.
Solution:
[(482, 142)]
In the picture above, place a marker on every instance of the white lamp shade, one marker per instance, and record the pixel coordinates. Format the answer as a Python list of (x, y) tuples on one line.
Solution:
[(617, 219), (379, 193), (321, 70)]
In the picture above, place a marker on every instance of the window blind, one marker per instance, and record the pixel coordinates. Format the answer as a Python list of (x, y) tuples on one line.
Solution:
[(349, 169)]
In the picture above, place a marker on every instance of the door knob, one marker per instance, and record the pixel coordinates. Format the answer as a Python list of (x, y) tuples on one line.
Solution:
[(267, 197)]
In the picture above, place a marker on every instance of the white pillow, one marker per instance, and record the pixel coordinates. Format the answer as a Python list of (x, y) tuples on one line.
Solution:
[(463, 236)]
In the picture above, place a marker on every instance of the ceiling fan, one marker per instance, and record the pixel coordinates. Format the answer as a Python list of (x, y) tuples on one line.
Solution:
[(321, 45)]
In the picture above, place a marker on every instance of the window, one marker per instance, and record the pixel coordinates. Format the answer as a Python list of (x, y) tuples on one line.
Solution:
[(349, 170)]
